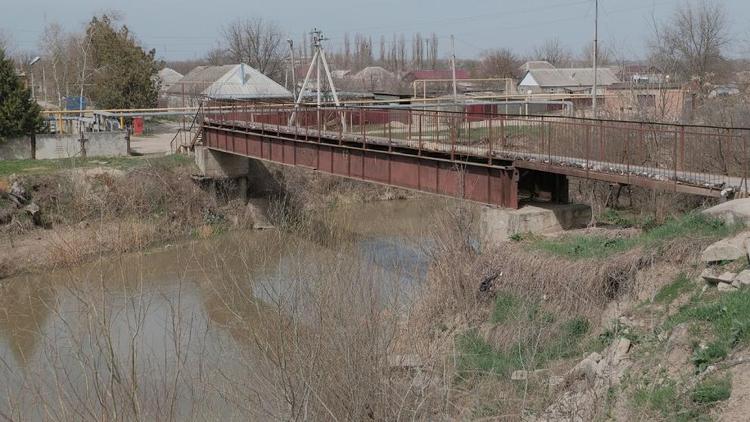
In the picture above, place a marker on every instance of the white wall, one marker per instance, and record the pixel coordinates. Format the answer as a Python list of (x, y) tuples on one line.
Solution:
[(97, 144)]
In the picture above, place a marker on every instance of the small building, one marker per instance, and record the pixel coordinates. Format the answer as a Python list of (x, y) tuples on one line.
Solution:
[(536, 64), (651, 102), (229, 82), (564, 80), (166, 78)]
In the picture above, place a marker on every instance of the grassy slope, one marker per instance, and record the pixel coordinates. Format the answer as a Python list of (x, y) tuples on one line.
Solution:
[(720, 323), (29, 167)]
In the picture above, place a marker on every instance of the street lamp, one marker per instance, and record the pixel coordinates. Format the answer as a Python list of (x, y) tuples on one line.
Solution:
[(31, 65)]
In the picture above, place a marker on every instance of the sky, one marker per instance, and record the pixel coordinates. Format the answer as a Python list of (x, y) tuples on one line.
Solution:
[(185, 29)]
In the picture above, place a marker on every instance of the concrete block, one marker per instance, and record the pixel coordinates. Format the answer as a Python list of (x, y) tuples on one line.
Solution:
[(725, 277), (499, 224), (723, 250), (724, 287), (217, 164)]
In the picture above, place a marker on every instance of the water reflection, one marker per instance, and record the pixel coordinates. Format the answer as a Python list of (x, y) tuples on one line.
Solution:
[(150, 325)]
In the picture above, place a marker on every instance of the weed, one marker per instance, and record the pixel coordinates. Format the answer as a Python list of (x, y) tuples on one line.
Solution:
[(727, 316), (705, 356), (506, 305), (516, 237), (712, 390), (659, 398), (672, 291), (582, 247), (478, 358), (615, 217), (25, 167)]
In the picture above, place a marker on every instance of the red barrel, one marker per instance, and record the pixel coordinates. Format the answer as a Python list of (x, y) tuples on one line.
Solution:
[(137, 126)]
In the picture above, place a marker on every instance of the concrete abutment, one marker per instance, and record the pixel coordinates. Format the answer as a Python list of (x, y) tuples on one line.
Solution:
[(498, 225)]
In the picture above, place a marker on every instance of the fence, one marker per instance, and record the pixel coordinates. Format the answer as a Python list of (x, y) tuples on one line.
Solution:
[(703, 156)]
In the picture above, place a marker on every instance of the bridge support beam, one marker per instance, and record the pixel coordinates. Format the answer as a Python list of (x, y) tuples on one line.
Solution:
[(433, 172)]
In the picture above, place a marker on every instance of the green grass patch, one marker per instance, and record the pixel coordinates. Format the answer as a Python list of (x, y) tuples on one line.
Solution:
[(658, 398), (542, 339), (712, 390), (28, 167), (727, 316), (506, 305), (673, 290), (711, 353), (597, 246), (477, 358)]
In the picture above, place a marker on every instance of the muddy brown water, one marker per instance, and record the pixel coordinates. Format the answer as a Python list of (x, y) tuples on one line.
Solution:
[(168, 327)]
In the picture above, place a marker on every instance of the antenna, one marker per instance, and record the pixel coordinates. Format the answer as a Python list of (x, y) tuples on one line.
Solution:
[(318, 59), (596, 58)]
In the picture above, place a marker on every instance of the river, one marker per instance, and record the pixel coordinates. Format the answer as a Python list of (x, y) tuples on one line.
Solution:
[(175, 332)]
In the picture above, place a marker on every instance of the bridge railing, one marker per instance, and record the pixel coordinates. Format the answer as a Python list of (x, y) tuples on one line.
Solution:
[(705, 156)]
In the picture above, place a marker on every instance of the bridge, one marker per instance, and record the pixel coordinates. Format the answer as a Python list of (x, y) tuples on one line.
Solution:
[(473, 152)]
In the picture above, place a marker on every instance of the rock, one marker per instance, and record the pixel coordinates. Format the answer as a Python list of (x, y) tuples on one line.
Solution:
[(17, 190), (32, 209), (723, 250), (621, 349), (724, 287), (743, 278), (519, 375), (725, 277), (731, 212), (35, 212), (587, 368)]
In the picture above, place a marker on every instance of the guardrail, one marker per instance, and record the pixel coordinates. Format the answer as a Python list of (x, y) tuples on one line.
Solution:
[(707, 157)]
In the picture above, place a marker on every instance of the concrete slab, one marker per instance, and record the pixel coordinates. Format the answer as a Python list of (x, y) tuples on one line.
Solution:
[(218, 164), (498, 224)]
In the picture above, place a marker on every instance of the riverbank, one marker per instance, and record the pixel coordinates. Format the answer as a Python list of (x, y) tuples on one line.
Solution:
[(58, 213), (612, 323)]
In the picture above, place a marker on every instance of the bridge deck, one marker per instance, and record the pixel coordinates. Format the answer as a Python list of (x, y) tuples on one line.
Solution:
[(501, 154)]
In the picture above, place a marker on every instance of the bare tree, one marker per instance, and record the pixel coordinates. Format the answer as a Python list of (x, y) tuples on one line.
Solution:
[(502, 63), (258, 43), (605, 57), (62, 56), (692, 42), (554, 52), (218, 56)]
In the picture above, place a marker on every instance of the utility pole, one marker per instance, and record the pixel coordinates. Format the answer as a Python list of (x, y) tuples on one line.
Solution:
[(453, 68), (318, 59), (596, 59), (294, 68)]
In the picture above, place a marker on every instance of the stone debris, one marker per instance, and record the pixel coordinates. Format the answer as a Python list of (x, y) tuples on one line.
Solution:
[(743, 278), (724, 278), (588, 381), (724, 287)]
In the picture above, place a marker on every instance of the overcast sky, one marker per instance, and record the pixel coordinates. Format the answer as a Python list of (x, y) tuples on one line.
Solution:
[(182, 29)]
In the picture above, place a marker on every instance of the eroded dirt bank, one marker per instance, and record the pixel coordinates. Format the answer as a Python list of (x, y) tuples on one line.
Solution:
[(64, 216)]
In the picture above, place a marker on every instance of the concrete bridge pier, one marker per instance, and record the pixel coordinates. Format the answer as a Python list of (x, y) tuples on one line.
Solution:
[(220, 165), (498, 225)]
